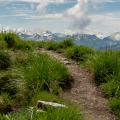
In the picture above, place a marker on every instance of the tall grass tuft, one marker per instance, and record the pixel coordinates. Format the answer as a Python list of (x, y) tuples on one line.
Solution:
[(59, 46), (107, 64), (42, 72), (78, 53), (5, 61), (3, 44), (11, 39), (67, 43)]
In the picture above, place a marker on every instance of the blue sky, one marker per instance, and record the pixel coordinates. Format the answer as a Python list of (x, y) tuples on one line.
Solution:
[(90, 16)]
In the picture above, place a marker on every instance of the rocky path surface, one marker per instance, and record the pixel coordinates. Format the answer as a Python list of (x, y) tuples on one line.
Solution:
[(84, 92)]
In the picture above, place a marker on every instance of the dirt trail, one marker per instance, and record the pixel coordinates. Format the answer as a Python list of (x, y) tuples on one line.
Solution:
[(84, 92)]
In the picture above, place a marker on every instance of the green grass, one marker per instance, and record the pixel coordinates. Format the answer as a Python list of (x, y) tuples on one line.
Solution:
[(45, 96), (51, 114), (106, 69), (5, 61), (106, 65), (69, 113), (11, 40), (6, 103), (26, 76), (78, 53), (43, 72), (58, 46), (3, 45), (114, 104), (25, 45)]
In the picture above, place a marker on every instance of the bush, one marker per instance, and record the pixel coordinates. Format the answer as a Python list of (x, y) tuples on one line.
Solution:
[(106, 64), (78, 53), (5, 61), (11, 39)]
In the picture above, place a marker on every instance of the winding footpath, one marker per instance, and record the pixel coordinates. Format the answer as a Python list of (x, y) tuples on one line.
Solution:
[(84, 92)]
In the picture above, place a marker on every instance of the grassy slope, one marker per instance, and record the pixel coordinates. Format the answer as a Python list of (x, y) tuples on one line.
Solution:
[(26, 76), (105, 66)]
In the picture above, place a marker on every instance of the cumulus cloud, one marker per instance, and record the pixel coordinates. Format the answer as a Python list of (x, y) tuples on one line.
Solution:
[(42, 4), (78, 15)]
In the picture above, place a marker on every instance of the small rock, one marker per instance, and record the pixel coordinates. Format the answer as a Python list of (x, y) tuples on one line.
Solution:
[(43, 104)]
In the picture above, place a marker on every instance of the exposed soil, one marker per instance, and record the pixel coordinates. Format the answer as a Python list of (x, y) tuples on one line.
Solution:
[(84, 92)]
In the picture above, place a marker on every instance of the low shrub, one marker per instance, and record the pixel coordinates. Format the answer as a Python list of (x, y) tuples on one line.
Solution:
[(11, 39), (5, 61)]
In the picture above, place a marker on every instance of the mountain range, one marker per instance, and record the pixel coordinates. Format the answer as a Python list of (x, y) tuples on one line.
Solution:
[(94, 41), (109, 42)]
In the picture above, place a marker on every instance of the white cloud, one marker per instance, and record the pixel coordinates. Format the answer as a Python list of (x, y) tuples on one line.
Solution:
[(78, 15), (41, 5), (105, 23)]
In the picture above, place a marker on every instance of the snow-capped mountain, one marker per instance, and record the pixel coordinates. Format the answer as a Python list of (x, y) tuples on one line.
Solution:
[(44, 36), (95, 41), (79, 39)]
